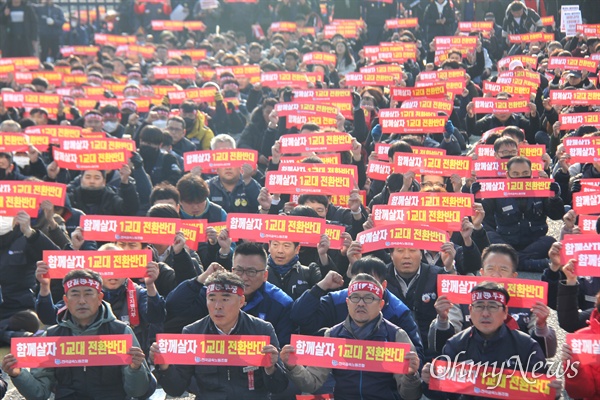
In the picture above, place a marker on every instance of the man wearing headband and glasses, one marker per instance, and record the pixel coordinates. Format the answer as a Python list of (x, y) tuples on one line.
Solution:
[(490, 339), (87, 314), (364, 322), (225, 299)]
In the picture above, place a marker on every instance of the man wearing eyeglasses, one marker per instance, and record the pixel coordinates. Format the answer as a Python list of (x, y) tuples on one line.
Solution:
[(364, 322), (187, 302), (522, 222), (490, 339)]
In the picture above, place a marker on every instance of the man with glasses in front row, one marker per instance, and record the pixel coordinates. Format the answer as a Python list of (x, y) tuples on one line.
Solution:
[(490, 340), (522, 222), (187, 302)]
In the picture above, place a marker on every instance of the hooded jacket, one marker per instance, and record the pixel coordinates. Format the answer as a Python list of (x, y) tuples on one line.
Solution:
[(97, 383), (586, 382)]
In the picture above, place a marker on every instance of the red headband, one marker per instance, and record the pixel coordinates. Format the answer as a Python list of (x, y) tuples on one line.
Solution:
[(92, 117), (226, 288), (82, 282), (365, 286), (493, 295)]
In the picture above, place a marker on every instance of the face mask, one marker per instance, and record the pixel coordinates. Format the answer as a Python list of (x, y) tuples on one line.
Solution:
[(133, 82), (21, 161), (189, 123), (229, 93), (92, 195), (6, 225), (110, 126), (149, 154), (160, 123), (506, 157)]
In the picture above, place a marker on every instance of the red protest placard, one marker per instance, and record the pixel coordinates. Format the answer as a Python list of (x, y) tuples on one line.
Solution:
[(194, 54), (488, 105), (452, 42), (307, 30), (454, 86), (401, 23), (360, 79), (319, 58), (405, 93), (54, 192), (475, 26), (393, 52), (399, 121), (313, 183), (71, 351), (463, 201), (334, 158), (228, 158), (315, 142), (441, 75), (109, 228), (587, 262), (174, 25), (264, 228), (503, 188), (55, 132), (494, 88), (334, 233), (339, 98), (525, 59), (575, 97), (174, 72), (23, 63), (250, 72), (283, 27), (11, 204), (199, 95), (320, 168), (547, 21), (301, 113), (401, 235), (29, 100), (587, 223), (573, 244), (97, 144), (447, 219), (492, 382), (314, 397), (350, 354), (394, 69), (523, 293), (53, 78), (10, 142), (83, 160), (342, 200), (572, 63), (582, 149), (433, 165), (109, 264), (347, 31), (281, 79), (531, 37), (194, 231), (428, 104), (488, 167), (67, 51), (575, 120), (103, 38), (586, 203), (224, 350), (588, 29), (379, 170), (585, 347)]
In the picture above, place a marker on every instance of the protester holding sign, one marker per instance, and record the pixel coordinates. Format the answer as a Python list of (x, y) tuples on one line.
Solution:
[(364, 322), (499, 261), (521, 222), (86, 314), (225, 300)]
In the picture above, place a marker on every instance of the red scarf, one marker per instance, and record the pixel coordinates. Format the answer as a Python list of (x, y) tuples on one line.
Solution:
[(511, 323)]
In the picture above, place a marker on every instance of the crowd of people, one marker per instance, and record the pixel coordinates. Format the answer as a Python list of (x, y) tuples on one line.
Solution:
[(235, 286)]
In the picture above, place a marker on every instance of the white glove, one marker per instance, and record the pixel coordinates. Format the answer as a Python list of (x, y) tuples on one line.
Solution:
[(49, 21)]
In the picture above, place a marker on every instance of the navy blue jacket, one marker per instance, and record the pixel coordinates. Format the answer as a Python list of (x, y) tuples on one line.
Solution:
[(242, 199), (269, 303), (317, 309)]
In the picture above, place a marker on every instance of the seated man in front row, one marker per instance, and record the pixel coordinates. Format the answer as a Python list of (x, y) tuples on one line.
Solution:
[(364, 322), (87, 314)]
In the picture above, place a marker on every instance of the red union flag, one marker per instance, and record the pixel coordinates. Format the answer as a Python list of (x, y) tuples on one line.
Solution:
[(447, 219), (523, 293), (264, 228), (464, 201), (488, 105), (586, 203), (585, 347), (350, 354), (502, 188), (405, 93), (225, 350), (401, 23), (83, 160), (575, 97), (379, 170), (363, 79), (575, 120), (572, 63), (495, 383), (505, 62), (174, 72), (433, 165), (199, 95), (229, 158), (531, 37), (313, 183), (319, 58), (280, 79), (319, 142), (573, 244), (402, 235), (109, 264), (71, 351), (108, 228), (587, 224)]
